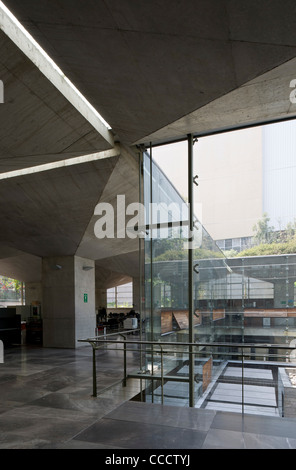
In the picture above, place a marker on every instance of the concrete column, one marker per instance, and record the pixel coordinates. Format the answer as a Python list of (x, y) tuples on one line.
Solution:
[(68, 309), (33, 293)]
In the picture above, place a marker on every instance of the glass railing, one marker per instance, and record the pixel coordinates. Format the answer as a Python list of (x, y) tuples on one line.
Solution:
[(240, 378)]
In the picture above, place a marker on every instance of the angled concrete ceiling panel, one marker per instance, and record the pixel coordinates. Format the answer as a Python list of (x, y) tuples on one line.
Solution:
[(155, 70), (264, 21), (38, 124), (123, 182), (145, 65), (263, 99), (47, 213), (117, 270), (23, 267)]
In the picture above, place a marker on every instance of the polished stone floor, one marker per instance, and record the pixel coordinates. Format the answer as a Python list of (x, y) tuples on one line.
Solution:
[(46, 403)]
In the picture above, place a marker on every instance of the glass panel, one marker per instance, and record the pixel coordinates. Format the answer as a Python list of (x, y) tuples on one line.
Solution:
[(166, 278), (244, 307), (166, 284)]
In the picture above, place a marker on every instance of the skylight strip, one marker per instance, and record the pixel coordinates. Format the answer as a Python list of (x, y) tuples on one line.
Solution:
[(61, 163), (30, 47)]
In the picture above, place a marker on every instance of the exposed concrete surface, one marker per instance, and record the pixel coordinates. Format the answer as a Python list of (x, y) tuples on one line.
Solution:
[(52, 214), (145, 65), (154, 70), (38, 124), (67, 315), (260, 100), (47, 213)]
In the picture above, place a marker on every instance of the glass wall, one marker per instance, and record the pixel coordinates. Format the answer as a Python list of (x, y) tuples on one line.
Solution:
[(243, 308), (120, 296), (167, 285)]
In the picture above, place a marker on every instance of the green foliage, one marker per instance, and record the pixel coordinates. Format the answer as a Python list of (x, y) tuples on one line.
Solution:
[(6, 283), (230, 253), (271, 242), (275, 248), (199, 253), (9, 288), (264, 233)]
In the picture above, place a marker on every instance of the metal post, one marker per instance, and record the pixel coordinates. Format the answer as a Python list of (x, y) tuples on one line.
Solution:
[(243, 399), (151, 269), (94, 372), (124, 361), (124, 365), (161, 362), (151, 250), (140, 273), (190, 269)]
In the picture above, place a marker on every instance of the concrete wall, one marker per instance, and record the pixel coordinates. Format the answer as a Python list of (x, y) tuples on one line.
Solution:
[(85, 320), (33, 293), (66, 316)]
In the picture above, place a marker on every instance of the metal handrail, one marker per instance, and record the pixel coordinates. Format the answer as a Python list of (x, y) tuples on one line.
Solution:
[(96, 341)]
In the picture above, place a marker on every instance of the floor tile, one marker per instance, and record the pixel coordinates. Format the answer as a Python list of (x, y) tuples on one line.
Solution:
[(132, 435), (221, 439), (186, 418), (46, 402)]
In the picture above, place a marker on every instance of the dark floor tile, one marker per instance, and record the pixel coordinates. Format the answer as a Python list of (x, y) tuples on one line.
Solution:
[(183, 417), (221, 439), (264, 425), (131, 435), (23, 430), (260, 441)]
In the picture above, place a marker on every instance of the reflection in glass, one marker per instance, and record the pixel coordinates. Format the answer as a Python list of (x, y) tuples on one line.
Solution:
[(237, 301)]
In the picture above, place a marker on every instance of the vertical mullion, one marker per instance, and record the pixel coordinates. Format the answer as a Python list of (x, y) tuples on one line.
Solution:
[(190, 269)]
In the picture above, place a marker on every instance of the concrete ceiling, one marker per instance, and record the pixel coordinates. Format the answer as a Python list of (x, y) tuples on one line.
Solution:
[(124, 181), (47, 213), (38, 124), (155, 71), (112, 271), (145, 65), (51, 213), (264, 99)]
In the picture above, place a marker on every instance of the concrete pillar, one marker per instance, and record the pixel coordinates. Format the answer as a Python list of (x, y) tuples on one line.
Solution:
[(33, 293), (68, 309)]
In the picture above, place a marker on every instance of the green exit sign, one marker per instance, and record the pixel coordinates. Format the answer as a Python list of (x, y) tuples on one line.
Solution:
[(85, 298)]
